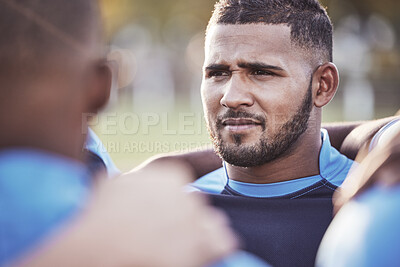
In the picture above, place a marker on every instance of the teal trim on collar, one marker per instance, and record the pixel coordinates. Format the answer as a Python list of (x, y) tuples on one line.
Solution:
[(273, 189), (333, 166)]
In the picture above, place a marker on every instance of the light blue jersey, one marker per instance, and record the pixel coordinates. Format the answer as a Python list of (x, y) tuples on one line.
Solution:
[(365, 233), (94, 144), (39, 192), (241, 259)]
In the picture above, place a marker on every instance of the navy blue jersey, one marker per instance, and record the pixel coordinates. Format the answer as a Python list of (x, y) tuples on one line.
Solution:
[(282, 231)]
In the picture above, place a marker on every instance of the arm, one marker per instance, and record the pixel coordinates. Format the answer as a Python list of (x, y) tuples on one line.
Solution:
[(338, 131), (200, 162), (379, 167), (140, 220), (359, 138)]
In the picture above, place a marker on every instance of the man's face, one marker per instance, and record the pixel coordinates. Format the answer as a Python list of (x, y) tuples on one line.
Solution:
[(256, 92)]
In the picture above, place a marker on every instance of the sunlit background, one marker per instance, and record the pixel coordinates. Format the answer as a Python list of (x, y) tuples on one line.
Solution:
[(158, 107)]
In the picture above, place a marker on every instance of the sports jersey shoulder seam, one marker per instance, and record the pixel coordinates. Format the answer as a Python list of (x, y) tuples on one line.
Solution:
[(337, 171), (325, 183), (307, 192)]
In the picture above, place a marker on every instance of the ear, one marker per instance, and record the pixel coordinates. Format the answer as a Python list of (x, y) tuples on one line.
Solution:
[(326, 82), (100, 87)]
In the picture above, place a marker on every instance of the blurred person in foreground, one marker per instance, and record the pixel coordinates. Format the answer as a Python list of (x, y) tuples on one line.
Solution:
[(365, 232), (52, 213)]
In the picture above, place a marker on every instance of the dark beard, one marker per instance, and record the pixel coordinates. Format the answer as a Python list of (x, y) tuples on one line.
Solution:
[(268, 149)]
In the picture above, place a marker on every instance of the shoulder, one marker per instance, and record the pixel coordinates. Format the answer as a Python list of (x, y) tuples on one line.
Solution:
[(334, 166), (213, 182), (94, 145), (365, 232), (385, 135), (38, 198)]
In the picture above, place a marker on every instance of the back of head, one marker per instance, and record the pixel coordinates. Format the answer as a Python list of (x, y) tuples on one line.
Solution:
[(39, 35), (50, 55), (311, 28)]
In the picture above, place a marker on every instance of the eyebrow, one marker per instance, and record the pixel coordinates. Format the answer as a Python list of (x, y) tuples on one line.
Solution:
[(217, 67), (244, 65), (258, 65)]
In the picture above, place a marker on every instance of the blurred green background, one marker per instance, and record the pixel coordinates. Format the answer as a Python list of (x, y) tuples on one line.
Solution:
[(160, 110)]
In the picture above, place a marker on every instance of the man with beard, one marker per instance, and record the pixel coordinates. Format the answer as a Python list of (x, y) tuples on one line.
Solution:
[(268, 72)]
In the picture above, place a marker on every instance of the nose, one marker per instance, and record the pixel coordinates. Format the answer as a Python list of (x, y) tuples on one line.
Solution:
[(237, 93)]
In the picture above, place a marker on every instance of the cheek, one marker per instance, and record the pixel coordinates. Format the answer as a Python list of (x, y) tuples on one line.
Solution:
[(211, 100), (279, 106), (276, 102)]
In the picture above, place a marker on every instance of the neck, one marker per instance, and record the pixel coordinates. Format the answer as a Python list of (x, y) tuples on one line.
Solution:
[(302, 160)]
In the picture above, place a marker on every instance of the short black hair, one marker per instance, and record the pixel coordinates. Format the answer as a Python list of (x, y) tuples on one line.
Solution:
[(33, 32), (309, 22)]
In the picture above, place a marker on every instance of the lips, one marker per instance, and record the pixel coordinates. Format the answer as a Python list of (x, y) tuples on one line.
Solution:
[(240, 124), (239, 121)]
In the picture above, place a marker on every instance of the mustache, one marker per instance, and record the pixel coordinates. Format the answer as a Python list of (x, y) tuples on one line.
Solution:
[(240, 114)]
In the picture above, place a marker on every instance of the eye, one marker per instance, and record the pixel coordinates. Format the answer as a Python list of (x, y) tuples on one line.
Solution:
[(262, 73), (217, 74)]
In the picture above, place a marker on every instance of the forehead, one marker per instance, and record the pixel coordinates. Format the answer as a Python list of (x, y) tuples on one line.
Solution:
[(251, 42)]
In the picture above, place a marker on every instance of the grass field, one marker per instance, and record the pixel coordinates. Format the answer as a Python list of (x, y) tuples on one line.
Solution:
[(133, 136)]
